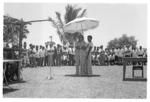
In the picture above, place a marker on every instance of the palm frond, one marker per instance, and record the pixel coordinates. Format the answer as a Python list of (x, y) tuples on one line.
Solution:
[(59, 19), (83, 13), (54, 24)]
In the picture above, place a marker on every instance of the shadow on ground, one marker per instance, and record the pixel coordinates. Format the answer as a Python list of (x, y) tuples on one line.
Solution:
[(8, 90), (74, 75), (17, 82), (135, 79)]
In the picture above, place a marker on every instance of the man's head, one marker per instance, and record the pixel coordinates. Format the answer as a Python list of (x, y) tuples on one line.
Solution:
[(46, 45), (25, 45), (101, 47), (36, 46), (40, 46), (81, 38), (30, 45), (89, 38), (140, 47)]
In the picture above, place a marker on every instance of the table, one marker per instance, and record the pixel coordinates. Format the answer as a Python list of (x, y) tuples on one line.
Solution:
[(5, 67), (130, 59)]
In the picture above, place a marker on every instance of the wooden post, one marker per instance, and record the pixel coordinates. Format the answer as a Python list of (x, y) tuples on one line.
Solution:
[(124, 69), (20, 37), (20, 49)]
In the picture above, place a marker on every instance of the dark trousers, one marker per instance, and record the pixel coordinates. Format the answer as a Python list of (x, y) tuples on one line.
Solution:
[(46, 61), (58, 59), (31, 61), (71, 59), (54, 59), (41, 61), (38, 61)]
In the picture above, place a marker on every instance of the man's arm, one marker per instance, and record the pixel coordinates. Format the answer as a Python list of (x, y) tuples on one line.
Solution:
[(89, 51)]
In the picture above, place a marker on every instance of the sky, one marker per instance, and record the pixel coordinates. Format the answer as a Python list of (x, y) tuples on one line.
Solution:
[(114, 19)]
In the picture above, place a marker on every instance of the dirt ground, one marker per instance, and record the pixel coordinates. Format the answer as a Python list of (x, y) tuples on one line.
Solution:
[(106, 82)]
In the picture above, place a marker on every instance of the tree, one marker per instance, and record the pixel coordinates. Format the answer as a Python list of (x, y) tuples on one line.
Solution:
[(71, 13), (122, 41), (12, 31)]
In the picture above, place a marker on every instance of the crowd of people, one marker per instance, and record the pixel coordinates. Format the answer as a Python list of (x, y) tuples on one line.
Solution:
[(83, 55), (114, 56), (49, 55)]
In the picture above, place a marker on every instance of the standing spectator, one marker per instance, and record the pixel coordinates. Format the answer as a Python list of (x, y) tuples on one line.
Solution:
[(65, 56), (97, 56), (120, 55), (37, 56), (116, 53), (50, 56), (34, 56), (112, 59), (50, 61), (31, 55), (55, 56), (26, 56), (58, 57), (102, 56), (106, 56), (43, 56), (71, 59), (61, 55), (93, 56), (46, 55), (40, 55)]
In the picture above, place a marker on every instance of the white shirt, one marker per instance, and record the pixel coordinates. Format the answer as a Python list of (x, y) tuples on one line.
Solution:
[(134, 54), (90, 44), (140, 52)]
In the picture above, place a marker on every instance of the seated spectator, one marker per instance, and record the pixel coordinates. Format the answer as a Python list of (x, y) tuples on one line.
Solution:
[(140, 51), (127, 52), (120, 55), (134, 53), (112, 59)]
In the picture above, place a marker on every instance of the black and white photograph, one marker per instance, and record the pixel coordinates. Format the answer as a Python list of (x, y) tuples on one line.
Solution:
[(74, 50)]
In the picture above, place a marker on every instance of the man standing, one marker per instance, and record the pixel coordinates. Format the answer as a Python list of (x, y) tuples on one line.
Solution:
[(40, 55), (58, 55), (70, 56), (37, 56), (25, 57), (55, 56), (46, 55), (31, 55), (43, 56)]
